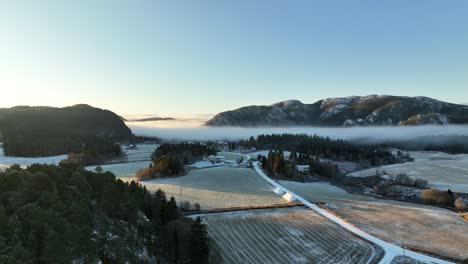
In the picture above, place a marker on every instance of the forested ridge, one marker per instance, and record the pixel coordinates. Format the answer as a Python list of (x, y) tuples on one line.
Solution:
[(64, 214), (46, 131), (323, 147)]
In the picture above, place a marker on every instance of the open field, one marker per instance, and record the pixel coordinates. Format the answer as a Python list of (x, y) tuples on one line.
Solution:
[(123, 170), (232, 155), (6, 162), (218, 187), (442, 171), (318, 192), (292, 235), (422, 228)]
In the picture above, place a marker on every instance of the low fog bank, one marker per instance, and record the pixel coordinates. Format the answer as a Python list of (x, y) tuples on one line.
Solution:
[(372, 134)]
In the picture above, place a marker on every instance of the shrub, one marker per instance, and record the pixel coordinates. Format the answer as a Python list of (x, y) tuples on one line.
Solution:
[(461, 203), (436, 197), (420, 183)]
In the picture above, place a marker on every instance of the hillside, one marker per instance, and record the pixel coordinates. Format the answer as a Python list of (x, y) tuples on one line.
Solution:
[(373, 110), (42, 131), (63, 214)]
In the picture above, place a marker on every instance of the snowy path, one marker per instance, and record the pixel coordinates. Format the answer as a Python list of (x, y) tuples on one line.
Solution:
[(390, 250)]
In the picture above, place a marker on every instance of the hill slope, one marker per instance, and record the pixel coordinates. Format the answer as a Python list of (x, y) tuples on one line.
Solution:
[(40, 131), (347, 111)]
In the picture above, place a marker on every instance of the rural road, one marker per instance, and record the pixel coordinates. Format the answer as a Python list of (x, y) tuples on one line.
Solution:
[(391, 251)]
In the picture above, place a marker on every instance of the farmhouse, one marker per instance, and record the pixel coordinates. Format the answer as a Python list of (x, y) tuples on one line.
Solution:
[(302, 168), (216, 159)]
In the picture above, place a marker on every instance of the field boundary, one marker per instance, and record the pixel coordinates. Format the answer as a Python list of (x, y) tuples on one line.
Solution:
[(390, 250), (244, 208)]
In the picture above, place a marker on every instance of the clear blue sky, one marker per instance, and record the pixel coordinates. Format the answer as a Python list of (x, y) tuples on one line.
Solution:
[(190, 57)]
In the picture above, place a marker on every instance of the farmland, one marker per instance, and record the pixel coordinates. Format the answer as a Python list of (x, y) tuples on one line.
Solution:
[(319, 192), (422, 228), (219, 187), (440, 170), (292, 235)]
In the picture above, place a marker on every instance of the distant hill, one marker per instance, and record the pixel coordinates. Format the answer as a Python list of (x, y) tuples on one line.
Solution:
[(373, 110), (42, 131), (148, 119)]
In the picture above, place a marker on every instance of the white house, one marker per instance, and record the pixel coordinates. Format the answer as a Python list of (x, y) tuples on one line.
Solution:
[(289, 197), (278, 191), (303, 168)]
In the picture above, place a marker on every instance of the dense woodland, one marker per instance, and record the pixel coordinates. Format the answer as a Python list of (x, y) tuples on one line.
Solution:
[(324, 147), (277, 165), (186, 153), (46, 131), (169, 159), (64, 214)]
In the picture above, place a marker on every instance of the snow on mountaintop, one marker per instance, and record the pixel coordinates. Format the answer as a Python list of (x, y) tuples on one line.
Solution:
[(287, 103)]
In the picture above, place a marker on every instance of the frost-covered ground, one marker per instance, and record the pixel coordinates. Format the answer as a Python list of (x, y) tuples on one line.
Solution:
[(288, 235), (322, 192), (218, 187), (123, 170), (423, 228), (133, 160), (6, 162), (140, 153), (232, 155), (442, 171)]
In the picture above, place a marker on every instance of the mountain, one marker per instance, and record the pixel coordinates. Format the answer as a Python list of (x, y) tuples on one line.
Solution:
[(148, 119), (372, 110), (42, 131)]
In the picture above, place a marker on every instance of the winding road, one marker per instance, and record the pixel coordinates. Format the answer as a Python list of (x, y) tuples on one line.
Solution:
[(391, 250)]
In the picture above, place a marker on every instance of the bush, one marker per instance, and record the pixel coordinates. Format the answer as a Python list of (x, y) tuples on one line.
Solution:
[(420, 183), (461, 203), (436, 197)]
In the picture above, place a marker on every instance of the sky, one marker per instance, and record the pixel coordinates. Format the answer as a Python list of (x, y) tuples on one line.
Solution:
[(202, 57)]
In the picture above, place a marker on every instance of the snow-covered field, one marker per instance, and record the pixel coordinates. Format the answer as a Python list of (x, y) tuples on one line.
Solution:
[(6, 162), (317, 192), (123, 170), (423, 228), (232, 155), (288, 235), (140, 153), (218, 187), (441, 170)]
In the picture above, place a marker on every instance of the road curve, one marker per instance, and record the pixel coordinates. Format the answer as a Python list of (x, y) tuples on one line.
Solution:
[(391, 251)]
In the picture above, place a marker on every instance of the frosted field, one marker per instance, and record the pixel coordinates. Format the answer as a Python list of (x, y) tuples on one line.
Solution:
[(123, 170), (6, 162), (441, 170), (288, 235), (219, 187), (318, 192), (423, 228), (232, 155), (142, 152)]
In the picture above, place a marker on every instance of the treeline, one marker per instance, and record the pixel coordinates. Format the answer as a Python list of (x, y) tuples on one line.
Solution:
[(186, 153), (323, 147), (164, 166), (277, 165), (46, 131), (64, 214), (169, 159)]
